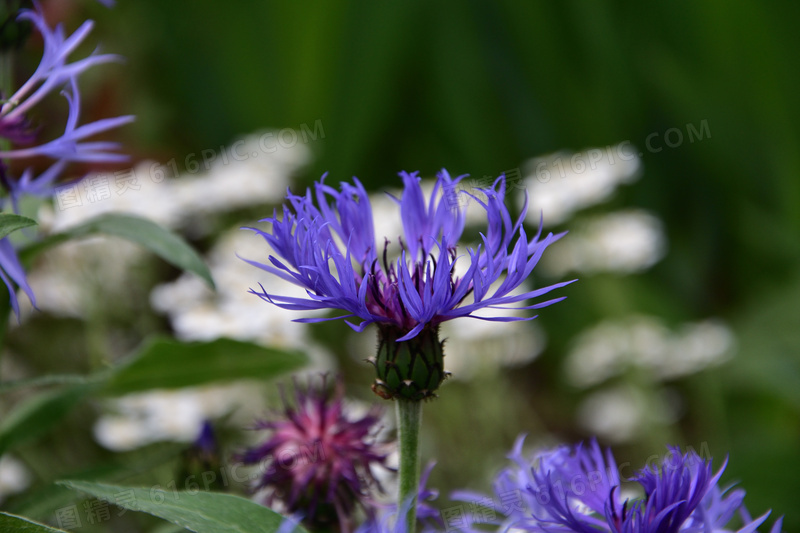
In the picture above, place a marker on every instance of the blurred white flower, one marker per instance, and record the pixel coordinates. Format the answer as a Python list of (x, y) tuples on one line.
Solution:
[(560, 184), (177, 415), (14, 476), (611, 347), (473, 347), (386, 219), (624, 242), (68, 277), (620, 414), (198, 313), (153, 191)]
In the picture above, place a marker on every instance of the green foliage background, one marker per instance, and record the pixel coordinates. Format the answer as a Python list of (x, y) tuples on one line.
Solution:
[(479, 88)]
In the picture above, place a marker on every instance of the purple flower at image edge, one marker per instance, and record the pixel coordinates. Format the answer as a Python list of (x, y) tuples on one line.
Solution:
[(577, 489), (52, 73)]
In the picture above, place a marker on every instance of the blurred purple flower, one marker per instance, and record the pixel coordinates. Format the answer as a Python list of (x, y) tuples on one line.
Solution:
[(577, 489), (385, 520), (54, 72), (330, 250), (317, 461)]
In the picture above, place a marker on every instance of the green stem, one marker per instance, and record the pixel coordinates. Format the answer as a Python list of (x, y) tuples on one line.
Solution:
[(409, 420)]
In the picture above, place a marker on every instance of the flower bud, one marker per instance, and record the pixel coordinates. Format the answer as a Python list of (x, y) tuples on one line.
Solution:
[(412, 369)]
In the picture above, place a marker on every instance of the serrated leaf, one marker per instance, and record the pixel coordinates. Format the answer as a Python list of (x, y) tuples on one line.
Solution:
[(201, 512), (161, 241), (10, 223), (10, 523), (167, 363), (38, 414)]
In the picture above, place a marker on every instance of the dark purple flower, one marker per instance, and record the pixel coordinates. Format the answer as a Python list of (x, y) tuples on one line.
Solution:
[(577, 489), (325, 243), (318, 461)]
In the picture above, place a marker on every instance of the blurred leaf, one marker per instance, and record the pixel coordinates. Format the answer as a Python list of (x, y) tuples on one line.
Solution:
[(49, 379), (38, 414), (167, 363), (202, 512), (10, 523), (10, 223), (161, 241), (42, 500), (769, 346)]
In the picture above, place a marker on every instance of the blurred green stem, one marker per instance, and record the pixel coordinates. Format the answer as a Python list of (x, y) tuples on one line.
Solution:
[(409, 420)]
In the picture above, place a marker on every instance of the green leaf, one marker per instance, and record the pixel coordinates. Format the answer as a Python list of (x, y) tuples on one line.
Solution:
[(10, 223), (38, 414), (167, 363), (10, 523), (48, 379), (162, 242), (44, 499), (202, 512)]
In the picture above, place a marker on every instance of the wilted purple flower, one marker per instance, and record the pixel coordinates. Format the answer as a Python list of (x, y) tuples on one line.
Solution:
[(53, 73), (318, 461), (577, 489), (326, 244)]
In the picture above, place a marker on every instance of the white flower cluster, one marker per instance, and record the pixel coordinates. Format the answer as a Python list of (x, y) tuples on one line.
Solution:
[(158, 193), (561, 184), (623, 242), (198, 313), (644, 345), (621, 413), (67, 277), (136, 420), (612, 347)]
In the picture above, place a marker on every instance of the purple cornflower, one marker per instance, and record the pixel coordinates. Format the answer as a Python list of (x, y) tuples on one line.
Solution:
[(54, 72), (326, 244), (577, 489), (317, 461)]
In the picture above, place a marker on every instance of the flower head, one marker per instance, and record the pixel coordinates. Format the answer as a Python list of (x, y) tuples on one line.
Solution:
[(318, 461), (577, 489), (325, 243)]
